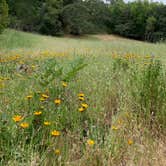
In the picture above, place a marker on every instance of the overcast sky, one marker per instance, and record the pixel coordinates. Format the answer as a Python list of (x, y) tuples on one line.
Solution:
[(164, 1)]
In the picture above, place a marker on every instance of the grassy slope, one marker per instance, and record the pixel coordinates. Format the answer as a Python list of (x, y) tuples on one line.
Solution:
[(13, 40), (95, 80)]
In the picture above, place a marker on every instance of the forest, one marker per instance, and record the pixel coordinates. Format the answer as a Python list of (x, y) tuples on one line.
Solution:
[(141, 20)]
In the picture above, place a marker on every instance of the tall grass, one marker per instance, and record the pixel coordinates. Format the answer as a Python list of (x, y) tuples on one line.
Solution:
[(122, 119)]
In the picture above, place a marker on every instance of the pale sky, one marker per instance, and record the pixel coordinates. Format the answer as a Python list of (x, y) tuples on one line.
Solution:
[(163, 1)]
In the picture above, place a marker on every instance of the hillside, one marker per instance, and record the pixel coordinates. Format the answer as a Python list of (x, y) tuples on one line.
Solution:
[(94, 100)]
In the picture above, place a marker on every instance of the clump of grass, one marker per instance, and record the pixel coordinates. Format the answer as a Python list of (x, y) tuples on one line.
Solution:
[(146, 87), (11, 39), (149, 90)]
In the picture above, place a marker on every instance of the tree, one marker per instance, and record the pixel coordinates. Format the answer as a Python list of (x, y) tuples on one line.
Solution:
[(49, 22), (76, 19), (150, 28), (139, 20), (3, 15), (24, 14), (67, 2), (99, 14)]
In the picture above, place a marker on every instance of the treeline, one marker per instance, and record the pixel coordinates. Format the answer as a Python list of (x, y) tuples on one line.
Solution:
[(139, 20), (56, 17)]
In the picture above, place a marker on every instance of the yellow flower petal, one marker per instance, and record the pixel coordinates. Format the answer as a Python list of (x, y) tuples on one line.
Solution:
[(57, 152), (64, 84), (17, 118), (55, 133), (114, 127), (81, 109), (84, 105), (57, 101), (24, 125), (130, 142), (46, 123), (81, 95), (37, 113), (90, 142), (81, 98), (45, 96)]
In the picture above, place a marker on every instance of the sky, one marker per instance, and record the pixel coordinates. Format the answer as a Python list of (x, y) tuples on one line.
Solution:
[(164, 1)]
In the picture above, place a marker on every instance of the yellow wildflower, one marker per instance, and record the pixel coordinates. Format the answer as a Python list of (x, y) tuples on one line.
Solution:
[(37, 113), (90, 142), (81, 98), (24, 125), (57, 152), (81, 109), (130, 142), (33, 67), (45, 96), (114, 127), (17, 118), (29, 97), (57, 101), (81, 95), (55, 133), (46, 123), (42, 99), (84, 105), (64, 84)]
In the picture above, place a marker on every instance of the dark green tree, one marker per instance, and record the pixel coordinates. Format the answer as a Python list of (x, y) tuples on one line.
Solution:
[(99, 14), (3, 15), (49, 20), (150, 28), (67, 2), (76, 19), (24, 14)]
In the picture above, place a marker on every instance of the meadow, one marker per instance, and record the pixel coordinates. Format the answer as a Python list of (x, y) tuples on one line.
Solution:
[(97, 100)]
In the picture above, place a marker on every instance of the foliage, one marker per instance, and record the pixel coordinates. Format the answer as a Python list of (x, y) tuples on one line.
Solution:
[(75, 18), (53, 17), (49, 21), (99, 15), (138, 20), (3, 15)]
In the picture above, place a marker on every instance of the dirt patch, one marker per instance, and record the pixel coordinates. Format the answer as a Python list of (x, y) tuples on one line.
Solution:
[(107, 37)]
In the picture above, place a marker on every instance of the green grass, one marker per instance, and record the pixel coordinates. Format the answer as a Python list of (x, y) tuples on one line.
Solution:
[(125, 89)]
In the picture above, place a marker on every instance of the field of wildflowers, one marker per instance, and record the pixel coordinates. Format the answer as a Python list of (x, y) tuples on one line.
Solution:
[(87, 102)]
